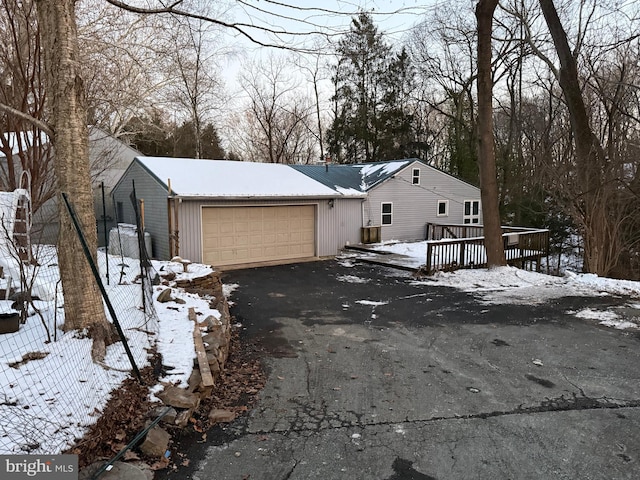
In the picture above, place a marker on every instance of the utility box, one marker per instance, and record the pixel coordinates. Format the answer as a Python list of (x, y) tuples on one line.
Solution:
[(123, 240)]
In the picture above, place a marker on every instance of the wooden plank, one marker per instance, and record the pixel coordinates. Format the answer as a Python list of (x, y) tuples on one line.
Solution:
[(203, 363)]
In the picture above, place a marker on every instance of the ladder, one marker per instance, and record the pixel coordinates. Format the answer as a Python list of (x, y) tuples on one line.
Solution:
[(24, 219)]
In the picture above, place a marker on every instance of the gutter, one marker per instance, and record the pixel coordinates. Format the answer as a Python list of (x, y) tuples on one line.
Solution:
[(266, 197)]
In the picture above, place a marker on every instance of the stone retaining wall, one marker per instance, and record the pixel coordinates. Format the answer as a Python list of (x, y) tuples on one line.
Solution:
[(216, 336)]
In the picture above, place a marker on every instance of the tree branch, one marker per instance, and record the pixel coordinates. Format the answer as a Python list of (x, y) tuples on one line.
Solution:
[(238, 27), (27, 118)]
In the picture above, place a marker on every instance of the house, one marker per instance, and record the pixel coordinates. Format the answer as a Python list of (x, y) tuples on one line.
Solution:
[(402, 196), (108, 157), (227, 213)]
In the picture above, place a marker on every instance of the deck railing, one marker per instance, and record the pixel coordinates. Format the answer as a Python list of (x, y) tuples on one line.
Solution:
[(451, 247)]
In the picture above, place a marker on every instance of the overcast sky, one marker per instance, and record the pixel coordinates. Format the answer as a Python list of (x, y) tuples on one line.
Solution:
[(327, 16)]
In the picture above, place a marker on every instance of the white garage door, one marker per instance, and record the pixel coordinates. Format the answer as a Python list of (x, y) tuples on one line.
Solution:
[(238, 235)]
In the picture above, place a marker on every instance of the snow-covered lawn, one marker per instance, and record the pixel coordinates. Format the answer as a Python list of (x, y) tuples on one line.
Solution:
[(51, 392)]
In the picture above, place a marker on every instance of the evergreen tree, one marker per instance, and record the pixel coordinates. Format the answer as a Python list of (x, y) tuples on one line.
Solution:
[(372, 112), (147, 133), (184, 142)]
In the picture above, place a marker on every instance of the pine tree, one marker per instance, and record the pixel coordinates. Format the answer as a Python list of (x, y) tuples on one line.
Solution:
[(372, 113)]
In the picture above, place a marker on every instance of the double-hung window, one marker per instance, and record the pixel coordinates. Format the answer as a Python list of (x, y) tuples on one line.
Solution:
[(471, 211), (387, 213), (415, 176)]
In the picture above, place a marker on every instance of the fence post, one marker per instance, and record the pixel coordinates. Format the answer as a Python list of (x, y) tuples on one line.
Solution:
[(429, 251), (105, 233), (96, 274), (462, 248)]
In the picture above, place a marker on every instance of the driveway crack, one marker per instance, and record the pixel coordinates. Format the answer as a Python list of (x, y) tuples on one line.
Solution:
[(559, 404)]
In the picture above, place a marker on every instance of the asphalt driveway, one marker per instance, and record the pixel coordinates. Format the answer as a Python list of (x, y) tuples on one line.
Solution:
[(375, 376)]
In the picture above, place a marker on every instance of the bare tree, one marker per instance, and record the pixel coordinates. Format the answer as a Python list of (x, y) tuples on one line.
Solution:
[(116, 51), (67, 118), (596, 199), (279, 115), (313, 66), (443, 47), (196, 90), (23, 143)]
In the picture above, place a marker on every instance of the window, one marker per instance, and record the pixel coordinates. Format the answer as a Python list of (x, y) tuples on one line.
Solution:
[(387, 213), (415, 176), (471, 211), (443, 208)]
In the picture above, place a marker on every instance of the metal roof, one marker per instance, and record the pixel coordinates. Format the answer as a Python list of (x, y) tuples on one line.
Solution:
[(358, 177), (223, 178)]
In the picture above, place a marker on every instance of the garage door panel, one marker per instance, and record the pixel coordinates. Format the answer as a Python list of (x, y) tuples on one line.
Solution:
[(269, 238), (236, 235)]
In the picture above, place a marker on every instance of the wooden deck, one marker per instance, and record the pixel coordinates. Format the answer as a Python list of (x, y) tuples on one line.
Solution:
[(452, 247)]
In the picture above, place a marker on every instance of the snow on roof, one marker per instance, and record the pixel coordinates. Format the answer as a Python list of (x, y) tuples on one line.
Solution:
[(224, 178), (353, 179), (373, 173)]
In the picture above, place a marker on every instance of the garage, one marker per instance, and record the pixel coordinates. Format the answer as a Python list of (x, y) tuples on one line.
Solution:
[(252, 234)]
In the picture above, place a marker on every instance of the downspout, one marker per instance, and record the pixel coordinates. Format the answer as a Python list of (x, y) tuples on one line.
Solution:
[(170, 208)]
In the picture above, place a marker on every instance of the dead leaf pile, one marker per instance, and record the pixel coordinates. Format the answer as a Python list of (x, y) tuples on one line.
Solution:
[(127, 412)]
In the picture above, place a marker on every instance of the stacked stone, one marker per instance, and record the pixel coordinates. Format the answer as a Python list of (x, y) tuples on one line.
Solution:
[(184, 402)]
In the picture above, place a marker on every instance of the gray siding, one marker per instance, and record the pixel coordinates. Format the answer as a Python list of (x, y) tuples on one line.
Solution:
[(336, 226), (109, 159), (416, 205), (156, 221), (45, 226)]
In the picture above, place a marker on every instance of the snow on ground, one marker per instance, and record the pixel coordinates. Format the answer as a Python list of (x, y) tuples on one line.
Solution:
[(415, 250), (40, 386), (352, 279), (513, 285), (50, 404), (371, 303)]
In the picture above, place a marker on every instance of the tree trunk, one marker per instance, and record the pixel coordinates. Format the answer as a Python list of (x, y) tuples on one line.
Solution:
[(486, 148), (68, 119), (591, 204)]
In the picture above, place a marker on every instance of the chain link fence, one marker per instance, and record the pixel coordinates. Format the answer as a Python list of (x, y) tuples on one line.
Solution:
[(50, 389)]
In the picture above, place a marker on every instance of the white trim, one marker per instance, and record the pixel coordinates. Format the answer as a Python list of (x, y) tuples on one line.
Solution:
[(415, 177), (382, 213), (446, 208), (314, 204), (471, 218)]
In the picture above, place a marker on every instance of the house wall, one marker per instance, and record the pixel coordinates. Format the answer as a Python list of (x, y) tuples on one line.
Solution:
[(46, 225), (109, 159), (335, 226), (156, 221), (416, 205)]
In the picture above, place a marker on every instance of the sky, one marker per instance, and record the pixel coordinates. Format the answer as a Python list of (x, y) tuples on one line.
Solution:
[(175, 340), (332, 17)]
